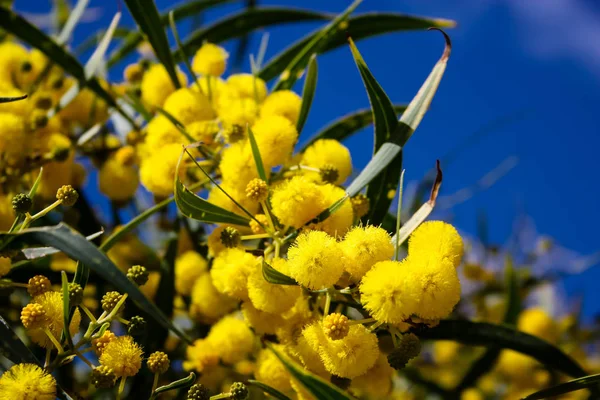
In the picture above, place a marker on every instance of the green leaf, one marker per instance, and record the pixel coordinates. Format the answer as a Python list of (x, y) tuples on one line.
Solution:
[(179, 384), (318, 387), (92, 41), (11, 99), (12, 347), (505, 337), (348, 125), (409, 121), (186, 58), (256, 154), (268, 389), (275, 277), (359, 27), (513, 299), (146, 16), (293, 70), (74, 16), (567, 387), (66, 307), (78, 248), (399, 214), (239, 24), (187, 9), (308, 93)]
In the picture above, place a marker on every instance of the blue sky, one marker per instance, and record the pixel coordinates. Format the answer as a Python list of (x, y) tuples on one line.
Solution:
[(536, 63)]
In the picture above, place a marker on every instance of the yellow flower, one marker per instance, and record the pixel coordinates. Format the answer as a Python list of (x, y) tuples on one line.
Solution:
[(207, 304), (351, 356), (435, 282), (203, 131), (56, 173), (230, 271), (53, 305), (156, 85), (284, 103), (7, 214), (188, 106), (210, 59), (257, 190), (376, 382), (329, 152), (20, 108), (363, 247), (263, 323), (4, 266), (445, 351), (248, 86), (235, 111), (123, 356), (268, 297), (189, 266), (62, 262), (217, 85), (275, 137), (296, 201), (295, 319), (437, 237), (157, 172), (472, 394), (200, 356), (25, 382), (118, 181), (516, 366), (315, 260), (271, 371), (100, 343), (336, 326), (12, 137), (85, 108), (306, 349), (232, 339), (338, 223), (385, 292), (537, 322), (160, 132), (12, 56), (237, 166)]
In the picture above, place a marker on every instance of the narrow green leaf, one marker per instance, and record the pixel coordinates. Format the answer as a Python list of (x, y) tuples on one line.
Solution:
[(186, 9), (146, 17), (513, 299), (308, 93), (241, 23), (180, 127), (11, 99), (74, 16), (359, 27), (97, 57), (256, 154), (348, 125), (92, 41), (12, 347), (35, 185), (406, 126), (186, 57), (275, 277), (179, 384), (317, 386), (567, 387), (293, 70), (66, 307), (501, 336), (399, 214), (268, 389), (78, 248)]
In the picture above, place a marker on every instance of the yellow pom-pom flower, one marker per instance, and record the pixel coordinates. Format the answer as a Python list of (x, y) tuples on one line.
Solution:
[(268, 297), (27, 381), (160, 132), (329, 152), (12, 56), (118, 181), (338, 222), (4, 266), (200, 356), (353, 355), (363, 247), (437, 237), (123, 356), (537, 322), (315, 260), (52, 304), (99, 344), (156, 85), (210, 59), (232, 339), (157, 172), (236, 112), (271, 371), (385, 292), (275, 137), (230, 271), (336, 326), (376, 383), (284, 103), (247, 86), (188, 106), (33, 316), (207, 304), (188, 267), (203, 131), (237, 166), (7, 214), (296, 201), (263, 323), (12, 137), (516, 366)]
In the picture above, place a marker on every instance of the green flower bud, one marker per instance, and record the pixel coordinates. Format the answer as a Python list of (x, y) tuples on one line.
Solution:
[(329, 173), (198, 392), (408, 348), (230, 237), (103, 377), (138, 274), (238, 391), (137, 325), (110, 300), (75, 294), (21, 203)]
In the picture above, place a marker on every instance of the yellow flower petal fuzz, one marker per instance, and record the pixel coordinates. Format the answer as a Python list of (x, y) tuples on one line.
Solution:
[(53, 305), (247, 86), (376, 383), (472, 394), (160, 132), (117, 181), (275, 137), (308, 352), (363, 247), (203, 131), (329, 152), (271, 371), (385, 292), (296, 201), (284, 103), (237, 111), (12, 137), (516, 366), (25, 382), (156, 85), (200, 356), (188, 267), (268, 297), (85, 108), (537, 322), (157, 172), (210, 59), (445, 351), (188, 106), (215, 245), (123, 356), (315, 260), (7, 214), (4, 266), (12, 56), (435, 282), (338, 223), (230, 271), (437, 237), (207, 304), (237, 166), (353, 355), (295, 319), (263, 323), (232, 339), (217, 87)]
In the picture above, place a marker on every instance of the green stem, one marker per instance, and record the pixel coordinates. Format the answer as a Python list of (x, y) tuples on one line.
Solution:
[(258, 236), (327, 304), (221, 396), (114, 311), (54, 341), (29, 219), (361, 321), (121, 387), (88, 313), (154, 384)]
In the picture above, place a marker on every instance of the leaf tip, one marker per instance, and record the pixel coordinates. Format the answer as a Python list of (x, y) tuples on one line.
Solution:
[(448, 47)]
